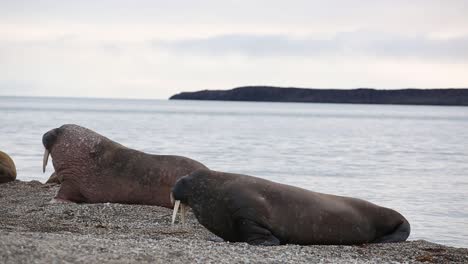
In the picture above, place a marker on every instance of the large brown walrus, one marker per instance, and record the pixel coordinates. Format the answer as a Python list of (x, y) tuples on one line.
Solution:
[(241, 208), (7, 168), (95, 169)]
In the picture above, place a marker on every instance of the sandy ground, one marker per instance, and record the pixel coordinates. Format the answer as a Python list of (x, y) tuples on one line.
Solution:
[(32, 230)]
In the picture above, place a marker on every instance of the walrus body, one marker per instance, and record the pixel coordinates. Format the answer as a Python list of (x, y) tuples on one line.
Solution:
[(242, 208), (7, 168), (95, 169)]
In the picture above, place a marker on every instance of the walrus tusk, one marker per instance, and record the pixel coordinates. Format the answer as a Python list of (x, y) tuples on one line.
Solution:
[(176, 208), (45, 160), (183, 212)]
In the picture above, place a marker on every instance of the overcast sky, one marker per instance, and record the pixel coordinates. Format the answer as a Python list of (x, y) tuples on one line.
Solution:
[(153, 49)]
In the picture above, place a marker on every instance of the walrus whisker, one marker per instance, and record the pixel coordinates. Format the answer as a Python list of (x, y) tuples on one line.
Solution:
[(174, 213), (45, 160)]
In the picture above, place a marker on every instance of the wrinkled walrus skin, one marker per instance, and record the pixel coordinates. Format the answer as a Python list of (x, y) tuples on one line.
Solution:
[(241, 208), (95, 169)]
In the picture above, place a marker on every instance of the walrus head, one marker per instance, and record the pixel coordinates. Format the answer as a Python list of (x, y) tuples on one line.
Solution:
[(187, 192), (179, 197), (48, 140), (68, 145)]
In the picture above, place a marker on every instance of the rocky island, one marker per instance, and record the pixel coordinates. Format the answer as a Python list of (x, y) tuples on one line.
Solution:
[(351, 96)]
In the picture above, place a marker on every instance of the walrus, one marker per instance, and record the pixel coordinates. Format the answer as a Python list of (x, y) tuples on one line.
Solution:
[(242, 208), (94, 169), (7, 168)]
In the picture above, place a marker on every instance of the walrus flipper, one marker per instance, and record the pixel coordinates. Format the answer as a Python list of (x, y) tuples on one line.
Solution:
[(254, 234), (399, 234), (69, 192)]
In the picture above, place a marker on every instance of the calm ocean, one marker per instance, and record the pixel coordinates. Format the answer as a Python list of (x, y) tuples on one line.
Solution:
[(410, 158)]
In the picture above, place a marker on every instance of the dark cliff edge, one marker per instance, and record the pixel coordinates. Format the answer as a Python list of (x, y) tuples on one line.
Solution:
[(352, 96)]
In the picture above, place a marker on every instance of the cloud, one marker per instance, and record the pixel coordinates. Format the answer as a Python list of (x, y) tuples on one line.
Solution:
[(360, 43), (155, 48)]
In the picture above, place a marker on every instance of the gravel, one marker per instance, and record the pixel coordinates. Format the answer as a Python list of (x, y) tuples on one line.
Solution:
[(33, 230)]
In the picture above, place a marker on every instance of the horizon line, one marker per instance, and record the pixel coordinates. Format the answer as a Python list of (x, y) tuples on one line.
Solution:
[(82, 97), (245, 86)]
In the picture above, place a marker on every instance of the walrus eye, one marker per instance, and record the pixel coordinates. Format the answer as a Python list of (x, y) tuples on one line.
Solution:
[(45, 160)]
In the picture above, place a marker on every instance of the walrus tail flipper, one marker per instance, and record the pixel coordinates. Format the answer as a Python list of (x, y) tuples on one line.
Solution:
[(399, 234), (254, 234)]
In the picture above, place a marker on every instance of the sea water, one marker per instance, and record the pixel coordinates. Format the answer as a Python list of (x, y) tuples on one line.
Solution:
[(413, 159)]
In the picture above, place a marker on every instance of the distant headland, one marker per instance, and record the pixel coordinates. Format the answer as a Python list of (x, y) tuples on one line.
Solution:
[(351, 96)]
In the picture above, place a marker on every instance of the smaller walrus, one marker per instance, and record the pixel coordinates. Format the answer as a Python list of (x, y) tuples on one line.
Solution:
[(241, 208), (94, 169), (7, 168)]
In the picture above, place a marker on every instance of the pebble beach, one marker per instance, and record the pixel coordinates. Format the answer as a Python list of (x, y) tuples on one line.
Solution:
[(33, 230)]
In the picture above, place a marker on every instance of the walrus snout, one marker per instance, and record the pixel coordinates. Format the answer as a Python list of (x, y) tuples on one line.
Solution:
[(183, 211), (176, 202), (180, 191), (48, 140), (178, 198)]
